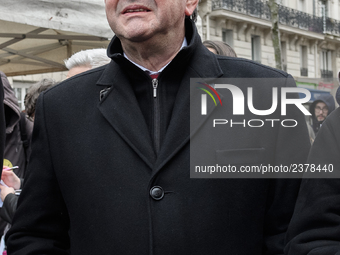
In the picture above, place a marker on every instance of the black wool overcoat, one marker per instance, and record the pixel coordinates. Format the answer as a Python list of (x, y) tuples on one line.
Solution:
[(315, 226), (93, 165)]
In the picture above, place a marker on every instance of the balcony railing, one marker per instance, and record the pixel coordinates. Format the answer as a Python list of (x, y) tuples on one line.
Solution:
[(326, 74), (304, 71), (298, 19), (255, 8), (287, 16)]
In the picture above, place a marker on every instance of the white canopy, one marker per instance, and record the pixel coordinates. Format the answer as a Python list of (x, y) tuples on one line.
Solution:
[(37, 35)]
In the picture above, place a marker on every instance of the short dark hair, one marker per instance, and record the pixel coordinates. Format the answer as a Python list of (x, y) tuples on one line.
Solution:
[(33, 93), (221, 48)]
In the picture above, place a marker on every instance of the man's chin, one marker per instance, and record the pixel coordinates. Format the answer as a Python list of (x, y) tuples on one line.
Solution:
[(136, 31), (138, 36)]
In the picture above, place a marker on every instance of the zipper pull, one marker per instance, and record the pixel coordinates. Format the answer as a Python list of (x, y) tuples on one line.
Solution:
[(154, 85)]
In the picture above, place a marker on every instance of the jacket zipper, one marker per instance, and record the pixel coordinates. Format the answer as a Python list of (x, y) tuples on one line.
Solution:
[(154, 85), (156, 117)]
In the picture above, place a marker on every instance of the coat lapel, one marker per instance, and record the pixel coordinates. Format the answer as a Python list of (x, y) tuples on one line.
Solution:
[(120, 108), (184, 123)]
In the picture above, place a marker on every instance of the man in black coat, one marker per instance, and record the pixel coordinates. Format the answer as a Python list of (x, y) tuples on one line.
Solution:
[(314, 228), (109, 171)]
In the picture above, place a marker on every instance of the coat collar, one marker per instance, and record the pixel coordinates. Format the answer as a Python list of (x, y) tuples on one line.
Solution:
[(121, 109), (200, 58)]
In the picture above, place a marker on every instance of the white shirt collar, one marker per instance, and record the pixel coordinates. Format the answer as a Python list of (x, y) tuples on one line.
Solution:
[(184, 44)]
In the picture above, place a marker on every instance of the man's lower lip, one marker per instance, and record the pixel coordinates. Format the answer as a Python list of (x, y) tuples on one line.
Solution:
[(135, 12)]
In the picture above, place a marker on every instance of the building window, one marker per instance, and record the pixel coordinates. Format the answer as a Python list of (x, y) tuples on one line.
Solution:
[(228, 37), (326, 64), (301, 6), (256, 48), (324, 10), (20, 89), (18, 95), (304, 61)]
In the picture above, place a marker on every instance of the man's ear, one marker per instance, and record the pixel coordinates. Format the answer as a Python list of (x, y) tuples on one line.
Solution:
[(190, 7)]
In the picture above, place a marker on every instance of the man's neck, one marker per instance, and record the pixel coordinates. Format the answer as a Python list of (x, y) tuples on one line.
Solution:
[(153, 55), (184, 44)]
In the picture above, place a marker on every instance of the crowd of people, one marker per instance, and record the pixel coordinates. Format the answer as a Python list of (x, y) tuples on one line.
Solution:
[(106, 167)]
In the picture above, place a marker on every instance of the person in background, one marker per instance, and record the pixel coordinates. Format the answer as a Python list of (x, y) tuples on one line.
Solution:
[(9, 177), (9, 194), (18, 131), (86, 60), (220, 48), (320, 109), (33, 93)]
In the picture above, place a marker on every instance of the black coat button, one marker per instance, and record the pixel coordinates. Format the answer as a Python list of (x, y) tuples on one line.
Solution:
[(157, 192)]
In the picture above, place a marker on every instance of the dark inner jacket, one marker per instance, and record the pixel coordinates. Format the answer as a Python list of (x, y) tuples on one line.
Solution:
[(157, 111)]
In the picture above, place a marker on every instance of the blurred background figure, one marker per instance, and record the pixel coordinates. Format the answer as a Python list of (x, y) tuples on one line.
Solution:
[(33, 93), (18, 131), (30, 103), (220, 48), (8, 195), (86, 60), (320, 109)]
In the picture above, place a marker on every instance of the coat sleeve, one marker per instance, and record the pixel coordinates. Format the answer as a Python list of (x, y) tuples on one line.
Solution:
[(314, 228), (292, 147), (9, 207), (41, 222)]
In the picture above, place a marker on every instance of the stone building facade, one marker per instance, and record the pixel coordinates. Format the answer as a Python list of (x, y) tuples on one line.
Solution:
[(310, 35)]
